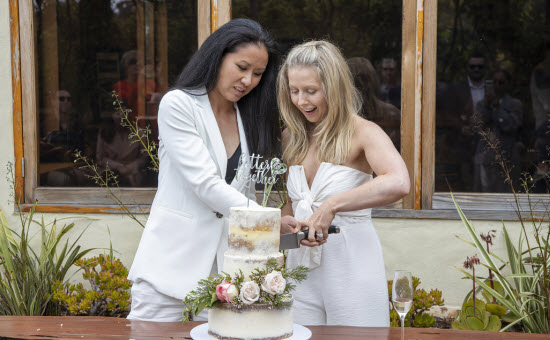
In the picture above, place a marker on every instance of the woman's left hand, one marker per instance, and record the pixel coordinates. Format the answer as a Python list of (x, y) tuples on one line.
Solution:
[(289, 225), (318, 224)]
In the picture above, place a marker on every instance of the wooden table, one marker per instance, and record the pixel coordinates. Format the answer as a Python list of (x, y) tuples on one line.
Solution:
[(90, 327)]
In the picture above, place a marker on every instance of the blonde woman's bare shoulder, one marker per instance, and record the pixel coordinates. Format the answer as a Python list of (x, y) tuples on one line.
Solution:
[(368, 133), (365, 126)]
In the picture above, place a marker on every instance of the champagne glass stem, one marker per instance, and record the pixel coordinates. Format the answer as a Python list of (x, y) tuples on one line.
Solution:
[(402, 316)]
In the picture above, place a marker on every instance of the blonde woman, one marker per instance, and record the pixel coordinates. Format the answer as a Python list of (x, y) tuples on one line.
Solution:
[(332, 153)]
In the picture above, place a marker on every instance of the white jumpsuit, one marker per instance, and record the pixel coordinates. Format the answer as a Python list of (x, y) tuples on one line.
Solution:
[(347, 283)]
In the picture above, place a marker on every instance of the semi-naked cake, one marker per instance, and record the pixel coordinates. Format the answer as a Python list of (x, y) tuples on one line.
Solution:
[(254, 236)]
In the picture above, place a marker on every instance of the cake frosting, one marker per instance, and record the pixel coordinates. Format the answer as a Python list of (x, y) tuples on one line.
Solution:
[(256, 321), (254, 236)]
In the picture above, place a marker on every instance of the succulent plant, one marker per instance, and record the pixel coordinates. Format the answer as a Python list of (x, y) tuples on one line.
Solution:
[(418, 316), (492, 306), (476, 318)]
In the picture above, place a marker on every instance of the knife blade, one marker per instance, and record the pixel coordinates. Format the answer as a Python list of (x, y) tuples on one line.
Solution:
[(292, 240)]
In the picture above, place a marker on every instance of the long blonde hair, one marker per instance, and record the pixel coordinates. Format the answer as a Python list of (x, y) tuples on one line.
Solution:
[(334, 133)]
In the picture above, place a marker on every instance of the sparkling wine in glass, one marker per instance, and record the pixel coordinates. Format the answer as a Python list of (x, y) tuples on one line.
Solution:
[(402, 295)]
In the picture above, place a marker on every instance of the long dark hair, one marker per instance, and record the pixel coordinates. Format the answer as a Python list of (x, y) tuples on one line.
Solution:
[(258, 108)]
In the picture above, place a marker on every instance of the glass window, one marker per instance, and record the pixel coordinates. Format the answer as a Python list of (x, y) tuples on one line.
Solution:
[(367, 32), (493, 95), (88, 49)]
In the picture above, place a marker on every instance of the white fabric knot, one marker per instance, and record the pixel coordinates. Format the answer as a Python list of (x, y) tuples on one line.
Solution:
[(303, 209), (329, 180)]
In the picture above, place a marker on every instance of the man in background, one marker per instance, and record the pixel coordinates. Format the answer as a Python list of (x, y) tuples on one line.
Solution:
[(390, 88), (455, 136)]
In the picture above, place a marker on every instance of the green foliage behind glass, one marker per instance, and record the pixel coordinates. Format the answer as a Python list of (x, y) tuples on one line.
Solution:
[(361, 28), (422, 302)]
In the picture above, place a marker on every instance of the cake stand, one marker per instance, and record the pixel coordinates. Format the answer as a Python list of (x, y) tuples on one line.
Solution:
[(299, 333)]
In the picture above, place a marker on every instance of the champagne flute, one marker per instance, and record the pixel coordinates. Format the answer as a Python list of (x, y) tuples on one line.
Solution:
[(402, 295)]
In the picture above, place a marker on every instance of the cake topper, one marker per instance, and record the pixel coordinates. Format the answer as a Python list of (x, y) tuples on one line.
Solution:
[(265, 172)]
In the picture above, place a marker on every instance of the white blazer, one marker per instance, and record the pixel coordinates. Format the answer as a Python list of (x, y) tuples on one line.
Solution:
[(185, 230)]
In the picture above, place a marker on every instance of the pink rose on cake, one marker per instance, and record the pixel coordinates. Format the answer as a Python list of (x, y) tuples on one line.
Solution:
[(250, 292), (226, 292), (274, 283)]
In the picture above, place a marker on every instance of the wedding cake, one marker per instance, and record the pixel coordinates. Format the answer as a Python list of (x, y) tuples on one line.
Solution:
[(254, 235)]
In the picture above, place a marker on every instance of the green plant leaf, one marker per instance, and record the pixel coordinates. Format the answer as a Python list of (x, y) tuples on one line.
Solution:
[(494, 324), (489, 261), (30, 273), (496, 309), (510, 318), (500, 298), (474, 323), (458, 325), (214, 298)]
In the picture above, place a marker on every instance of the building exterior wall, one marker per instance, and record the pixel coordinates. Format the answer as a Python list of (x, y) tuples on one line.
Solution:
[(428, 248)]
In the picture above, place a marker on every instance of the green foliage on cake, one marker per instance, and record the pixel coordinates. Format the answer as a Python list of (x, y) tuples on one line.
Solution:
[(267, 286)]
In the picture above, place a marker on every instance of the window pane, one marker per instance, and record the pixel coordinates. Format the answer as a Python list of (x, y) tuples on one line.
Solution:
[(367, 32), (88, 49), (492, 85)]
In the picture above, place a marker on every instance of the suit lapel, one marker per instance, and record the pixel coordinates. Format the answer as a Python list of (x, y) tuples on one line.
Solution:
[(216, 145), (240, 184)]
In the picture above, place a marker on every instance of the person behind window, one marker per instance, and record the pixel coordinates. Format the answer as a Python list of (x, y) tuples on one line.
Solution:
[(221, 106), (384, 114), (500, 116), (332, 152), (60, 146), (116, 151), (127, 87), (456, 141), (540, 97), (69, 136), (390, 89)]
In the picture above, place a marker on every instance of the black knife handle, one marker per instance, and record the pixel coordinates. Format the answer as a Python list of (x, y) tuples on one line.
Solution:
[(333, 229)]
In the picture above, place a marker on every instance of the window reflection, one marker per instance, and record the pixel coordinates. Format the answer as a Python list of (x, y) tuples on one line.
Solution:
[(492, 91), (374, 107), (88, 49), (367, 32)]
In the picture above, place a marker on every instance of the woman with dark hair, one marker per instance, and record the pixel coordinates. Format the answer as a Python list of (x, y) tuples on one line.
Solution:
[(221, 107)]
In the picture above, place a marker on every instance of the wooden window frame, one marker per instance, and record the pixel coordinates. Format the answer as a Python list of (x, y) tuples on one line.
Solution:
[(418, 134), (25, 121), (419, 47)]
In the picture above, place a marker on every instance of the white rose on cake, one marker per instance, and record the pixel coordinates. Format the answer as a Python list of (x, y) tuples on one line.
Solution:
[(250, 292), (274, 283)]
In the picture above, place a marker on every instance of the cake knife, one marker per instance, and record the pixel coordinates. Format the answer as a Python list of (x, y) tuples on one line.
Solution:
[(292, 240)]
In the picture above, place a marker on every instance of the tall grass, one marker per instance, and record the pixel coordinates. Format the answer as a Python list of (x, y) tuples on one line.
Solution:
[(525, 273), (525, 278), (27, 274)]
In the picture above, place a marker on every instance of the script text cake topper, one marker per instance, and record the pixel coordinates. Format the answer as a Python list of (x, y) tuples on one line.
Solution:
[(265, 172)]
